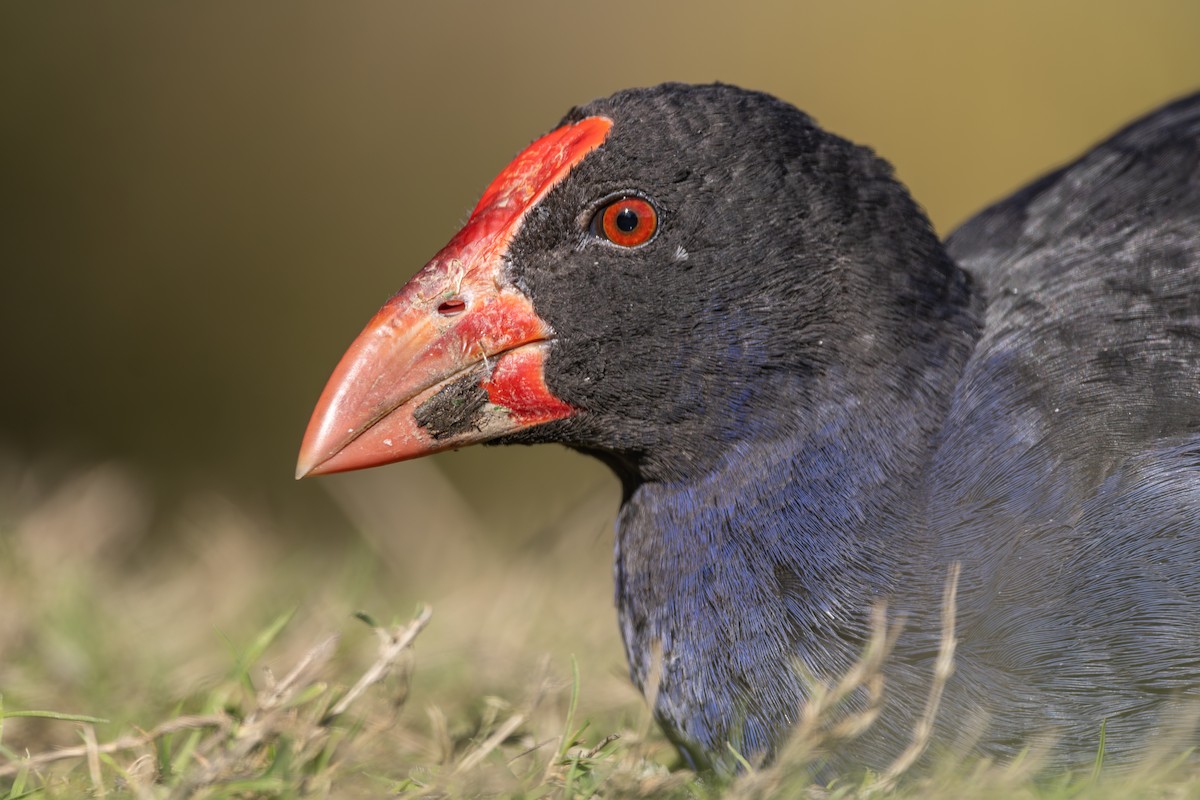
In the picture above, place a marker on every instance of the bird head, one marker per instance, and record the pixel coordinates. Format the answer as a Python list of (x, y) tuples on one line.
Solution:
[(668, 272)]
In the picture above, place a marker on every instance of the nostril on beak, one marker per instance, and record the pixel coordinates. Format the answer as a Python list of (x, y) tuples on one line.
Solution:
[(454, 305)]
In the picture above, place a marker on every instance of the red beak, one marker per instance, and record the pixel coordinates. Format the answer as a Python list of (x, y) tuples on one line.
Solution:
[(458, 355)]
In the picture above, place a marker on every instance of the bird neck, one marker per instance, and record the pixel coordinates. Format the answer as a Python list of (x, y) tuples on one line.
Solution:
[(835, 495), (724, 584)]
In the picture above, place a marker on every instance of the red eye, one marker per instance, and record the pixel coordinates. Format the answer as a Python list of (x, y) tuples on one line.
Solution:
[(629, 221)]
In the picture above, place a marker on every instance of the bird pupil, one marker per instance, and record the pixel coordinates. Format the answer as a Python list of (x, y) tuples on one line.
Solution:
[(627, 220)]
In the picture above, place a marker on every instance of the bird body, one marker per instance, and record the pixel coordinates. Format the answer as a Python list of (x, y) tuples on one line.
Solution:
[(815, 407)]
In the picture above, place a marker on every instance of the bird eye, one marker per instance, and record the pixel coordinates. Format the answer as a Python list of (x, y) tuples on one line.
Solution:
[(626, 221)]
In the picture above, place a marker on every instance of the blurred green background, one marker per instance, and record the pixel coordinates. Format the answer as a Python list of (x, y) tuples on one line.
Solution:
[(201, 203)]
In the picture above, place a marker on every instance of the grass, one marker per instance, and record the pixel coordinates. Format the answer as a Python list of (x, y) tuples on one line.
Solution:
[(197, 652)]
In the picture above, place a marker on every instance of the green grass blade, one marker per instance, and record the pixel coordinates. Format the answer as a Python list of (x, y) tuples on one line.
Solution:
[(58, 715), (572, 705), (1099, 764)]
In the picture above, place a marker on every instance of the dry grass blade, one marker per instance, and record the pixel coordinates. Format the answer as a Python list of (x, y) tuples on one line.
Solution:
[(475, 757), (652, 684), (815, 730), (605, 742), (93, 761), (219, 721), (279, 693), (824, 722), (942, 670), (820, 725), (391, 646)]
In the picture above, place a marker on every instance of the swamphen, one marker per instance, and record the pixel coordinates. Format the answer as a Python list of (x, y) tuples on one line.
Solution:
[(814, 405)]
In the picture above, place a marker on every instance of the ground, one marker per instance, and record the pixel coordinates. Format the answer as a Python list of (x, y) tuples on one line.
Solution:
[(200, 651)]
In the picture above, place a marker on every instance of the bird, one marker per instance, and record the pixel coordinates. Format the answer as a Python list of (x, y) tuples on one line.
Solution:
[(817, 409)]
